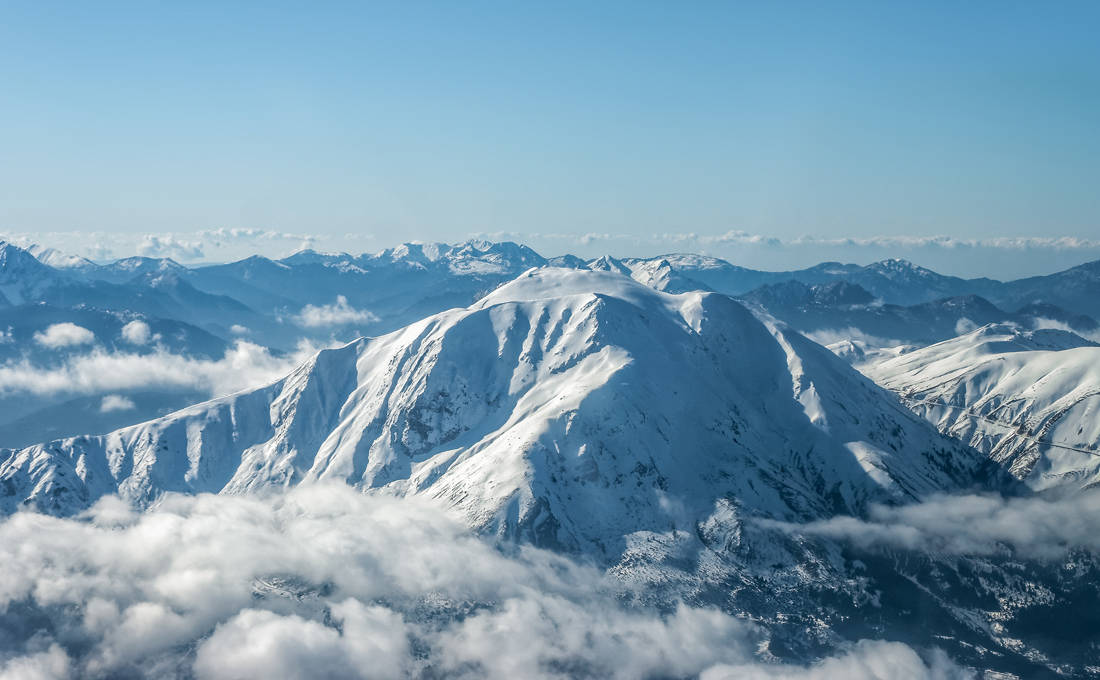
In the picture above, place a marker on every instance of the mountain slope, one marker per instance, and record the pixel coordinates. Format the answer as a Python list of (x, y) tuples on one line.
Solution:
[(572, 408), (842, 310), (660, 436), (1074, 289), (1029, 399)]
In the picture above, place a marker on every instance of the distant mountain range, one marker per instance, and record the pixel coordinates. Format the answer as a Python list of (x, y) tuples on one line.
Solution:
[(841, 308)]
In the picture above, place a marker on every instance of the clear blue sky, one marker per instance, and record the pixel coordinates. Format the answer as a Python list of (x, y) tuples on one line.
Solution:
[(437, 120)]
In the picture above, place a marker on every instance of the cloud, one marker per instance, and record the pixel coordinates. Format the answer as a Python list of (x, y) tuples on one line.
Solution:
[(829, 336), (262, 644), (324, 581), (223, 235), (167, 245), (735, 237), (1037, 323), (114, 402), (868, 659), (65, 334), (244, 365), (964, 326), (50, 664), (336, 314), (137, 333), (1031, 528), (906, 242)]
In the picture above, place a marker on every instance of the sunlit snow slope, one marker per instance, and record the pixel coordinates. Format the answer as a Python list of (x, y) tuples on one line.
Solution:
[(568, 407), (1030, 399)]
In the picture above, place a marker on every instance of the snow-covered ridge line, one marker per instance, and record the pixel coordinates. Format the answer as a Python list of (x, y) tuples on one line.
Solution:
[(528, 410), (1026, 398)]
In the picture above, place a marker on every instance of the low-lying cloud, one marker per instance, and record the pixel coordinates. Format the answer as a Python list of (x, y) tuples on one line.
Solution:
[(829, 336), (244, 365), (338, 313), (137, 332), (1041, 323), (65, 334), (1030, 528), (168, 245), (115, 402), (323, 581)]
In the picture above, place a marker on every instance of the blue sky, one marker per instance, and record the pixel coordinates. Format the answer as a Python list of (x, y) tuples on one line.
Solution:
[(629, 127)]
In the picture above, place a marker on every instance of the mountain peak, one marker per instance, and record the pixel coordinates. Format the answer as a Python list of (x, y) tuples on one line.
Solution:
[(609, 264), (570, 408)]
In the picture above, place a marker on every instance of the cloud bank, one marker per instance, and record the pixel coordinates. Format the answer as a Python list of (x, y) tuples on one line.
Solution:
[(1030, 528), (244, 365), (323, 581)]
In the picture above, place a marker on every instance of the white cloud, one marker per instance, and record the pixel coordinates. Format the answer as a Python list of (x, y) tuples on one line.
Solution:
[(1038, 323), (137, 333), (336, 314), (262, 644), (50, 664), (903, 241), (244, 365), (65, 334), (237, 329), (868, 659), (737, 237), (1033, 528), (167, 245), (115, 402), (829, 336), (236, 234), (324, 581), (965, 325)]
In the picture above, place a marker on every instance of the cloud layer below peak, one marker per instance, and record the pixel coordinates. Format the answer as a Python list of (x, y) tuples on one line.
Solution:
[(323, 581)]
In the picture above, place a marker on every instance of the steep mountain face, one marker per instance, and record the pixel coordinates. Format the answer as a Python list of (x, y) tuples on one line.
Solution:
[(657, 273), (606, 263), (714, 273), (1028, 399), (59, 260), (572, 408), (23, 277)]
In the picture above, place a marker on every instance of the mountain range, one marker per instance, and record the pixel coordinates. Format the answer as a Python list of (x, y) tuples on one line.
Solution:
[(663, 436), (664, 419), (1026, 399)]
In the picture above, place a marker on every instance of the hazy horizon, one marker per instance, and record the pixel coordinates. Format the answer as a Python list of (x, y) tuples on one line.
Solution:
[(773, 136)]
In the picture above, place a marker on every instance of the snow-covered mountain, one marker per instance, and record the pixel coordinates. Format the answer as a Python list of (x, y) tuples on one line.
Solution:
[(534, 408), (893, 281), (392, 288), (152, 289), (1028, 399), (668, 438)]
